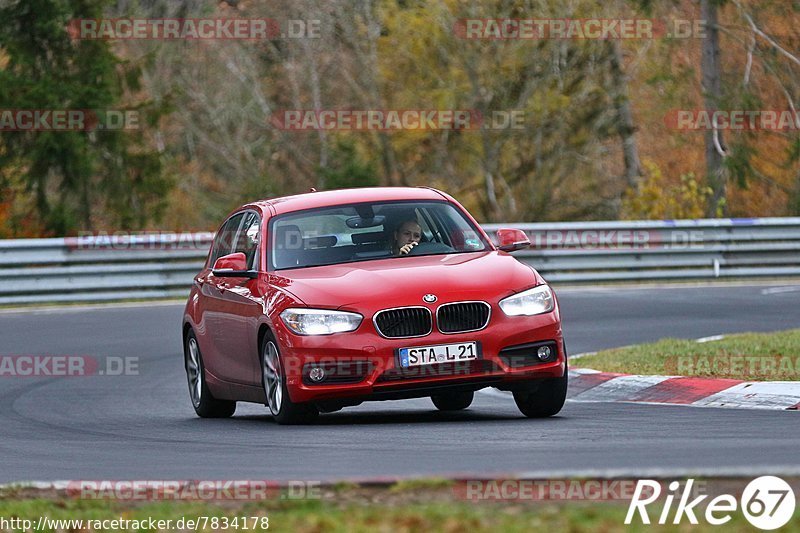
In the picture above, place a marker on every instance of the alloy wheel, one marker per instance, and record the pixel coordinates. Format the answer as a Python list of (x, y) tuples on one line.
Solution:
[(194, 372), (272, 376)]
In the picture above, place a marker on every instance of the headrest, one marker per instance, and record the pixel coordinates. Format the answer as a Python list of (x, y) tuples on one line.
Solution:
[(288, 237), (363, 238), (323, 241)]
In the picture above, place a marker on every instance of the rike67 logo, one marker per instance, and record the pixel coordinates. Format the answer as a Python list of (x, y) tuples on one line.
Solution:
[(767, 502)]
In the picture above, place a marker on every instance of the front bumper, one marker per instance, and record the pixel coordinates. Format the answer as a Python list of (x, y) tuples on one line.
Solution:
[(377, 374)]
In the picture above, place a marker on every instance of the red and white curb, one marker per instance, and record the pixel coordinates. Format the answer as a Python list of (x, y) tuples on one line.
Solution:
[(587, 385)]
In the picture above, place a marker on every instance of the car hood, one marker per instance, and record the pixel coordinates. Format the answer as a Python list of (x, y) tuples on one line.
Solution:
[(395, 282)]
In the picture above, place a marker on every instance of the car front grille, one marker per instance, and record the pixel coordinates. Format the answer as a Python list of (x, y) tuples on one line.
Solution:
[(461, 317), (403, 322)]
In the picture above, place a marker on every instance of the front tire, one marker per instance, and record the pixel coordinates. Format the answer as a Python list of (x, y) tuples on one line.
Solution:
[(545, 401), (204, 403), (453, 401), (273, 379)]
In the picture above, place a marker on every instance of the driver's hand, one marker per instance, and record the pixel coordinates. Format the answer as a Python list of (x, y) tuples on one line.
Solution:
[(407, 248)]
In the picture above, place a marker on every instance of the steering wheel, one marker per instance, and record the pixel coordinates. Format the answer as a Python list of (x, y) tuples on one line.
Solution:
[(425, 248)]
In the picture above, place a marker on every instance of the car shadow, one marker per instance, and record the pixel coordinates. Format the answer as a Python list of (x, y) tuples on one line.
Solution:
[(390, 417)]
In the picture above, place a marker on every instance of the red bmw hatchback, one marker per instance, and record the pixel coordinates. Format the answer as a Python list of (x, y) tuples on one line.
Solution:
[(323, 300)]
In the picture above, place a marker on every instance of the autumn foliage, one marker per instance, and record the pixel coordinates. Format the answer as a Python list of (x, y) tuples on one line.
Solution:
[(595, 140)]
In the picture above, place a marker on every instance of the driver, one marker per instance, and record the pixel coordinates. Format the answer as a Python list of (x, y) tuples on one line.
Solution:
[(406, 236)]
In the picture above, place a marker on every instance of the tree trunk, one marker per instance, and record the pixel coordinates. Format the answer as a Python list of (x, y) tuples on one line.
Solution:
[(715, 148), (625, 125), (794, 197)]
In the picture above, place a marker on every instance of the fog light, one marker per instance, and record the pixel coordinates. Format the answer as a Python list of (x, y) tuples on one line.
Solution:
[(316, 374), (543, 353)]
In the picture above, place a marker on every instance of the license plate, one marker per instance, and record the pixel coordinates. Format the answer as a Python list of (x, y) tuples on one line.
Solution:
[(442, 353)]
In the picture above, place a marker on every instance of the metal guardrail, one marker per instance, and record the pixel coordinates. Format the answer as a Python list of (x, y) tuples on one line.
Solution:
[(103, 267), (161, 265), (577, 252)]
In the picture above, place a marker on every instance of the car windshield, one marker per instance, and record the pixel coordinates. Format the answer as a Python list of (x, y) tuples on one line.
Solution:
[(363, 232)]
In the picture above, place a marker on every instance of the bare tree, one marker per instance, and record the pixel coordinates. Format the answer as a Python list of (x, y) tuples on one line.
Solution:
[(712, 92)]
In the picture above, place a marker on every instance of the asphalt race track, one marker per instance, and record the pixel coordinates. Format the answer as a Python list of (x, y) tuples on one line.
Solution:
[(143, 427)]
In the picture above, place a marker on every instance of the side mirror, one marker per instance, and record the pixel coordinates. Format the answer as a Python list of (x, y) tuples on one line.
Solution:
[(233, 266), (512, 239)]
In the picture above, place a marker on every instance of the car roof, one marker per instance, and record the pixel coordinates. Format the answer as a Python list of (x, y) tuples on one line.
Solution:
[(311, 200)]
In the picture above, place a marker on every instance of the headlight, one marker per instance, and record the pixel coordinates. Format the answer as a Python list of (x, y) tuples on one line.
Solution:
[(320, 321), (534, 301)]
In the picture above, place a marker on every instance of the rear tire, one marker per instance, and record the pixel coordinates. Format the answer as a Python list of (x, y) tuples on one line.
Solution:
[(453, 401), (273, 380), (204, 403), (547, 400)]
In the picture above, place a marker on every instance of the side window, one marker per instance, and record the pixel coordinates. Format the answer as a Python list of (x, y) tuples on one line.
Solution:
[(248, 238), (223, 242)]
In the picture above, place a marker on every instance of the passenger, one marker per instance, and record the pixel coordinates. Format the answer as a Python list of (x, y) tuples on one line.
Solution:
[(406, 236)]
